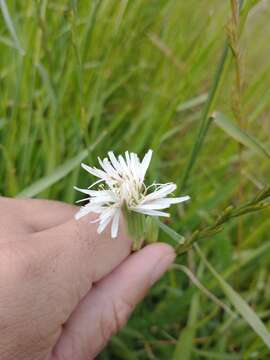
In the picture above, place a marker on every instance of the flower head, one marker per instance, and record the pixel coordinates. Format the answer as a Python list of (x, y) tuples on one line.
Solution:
[(121, 185)]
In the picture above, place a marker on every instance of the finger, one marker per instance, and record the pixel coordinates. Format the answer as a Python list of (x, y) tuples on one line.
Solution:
[(11, 221), (107, 306), (32, 215), (71, 256), (44, 214)]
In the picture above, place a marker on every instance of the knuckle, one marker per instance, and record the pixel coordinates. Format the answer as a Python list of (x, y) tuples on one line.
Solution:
[(17, 263), (111, 323), (122, 310)]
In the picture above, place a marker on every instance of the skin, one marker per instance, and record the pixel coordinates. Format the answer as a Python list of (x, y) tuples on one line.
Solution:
[(65, 290)]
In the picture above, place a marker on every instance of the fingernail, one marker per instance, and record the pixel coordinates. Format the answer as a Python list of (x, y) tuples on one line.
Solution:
[(162, 266)]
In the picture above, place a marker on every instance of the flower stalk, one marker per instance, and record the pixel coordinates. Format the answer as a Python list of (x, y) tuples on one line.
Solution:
[(259, 202)]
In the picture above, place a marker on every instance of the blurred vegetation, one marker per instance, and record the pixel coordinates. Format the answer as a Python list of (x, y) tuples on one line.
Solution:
[(79, 78)]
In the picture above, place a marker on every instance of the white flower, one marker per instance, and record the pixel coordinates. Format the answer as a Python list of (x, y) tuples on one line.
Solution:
[(121, 183)]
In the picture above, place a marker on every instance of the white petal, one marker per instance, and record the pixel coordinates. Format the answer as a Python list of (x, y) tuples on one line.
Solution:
[(91, 192), (82, 200), (114, 162), (84, 210), (109, 169), (103, 224), (135, 166), (97, 193), (103, 199), (163, 203), (178, 200), (105, 217), (127, 159), (145, 163), (124, 167), (108, 212), (115, 224), (85, 191), (160, 193), (95, 183), (96, 172), (149, 212), (155, 206)]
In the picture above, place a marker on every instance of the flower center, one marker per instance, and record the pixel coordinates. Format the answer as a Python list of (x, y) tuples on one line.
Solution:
[(129, 192)]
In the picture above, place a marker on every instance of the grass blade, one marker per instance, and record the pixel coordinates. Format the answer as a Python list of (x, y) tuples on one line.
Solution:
[(249, 4), (194, 102), (240, 305), (3, 123), (206, 120), (58, 174), (192, 277), (216, 355), (239, 135), (10, 26), (179, 239), (184, 345)]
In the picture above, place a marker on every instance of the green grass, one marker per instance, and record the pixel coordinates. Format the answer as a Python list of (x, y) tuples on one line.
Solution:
[(79, 78)]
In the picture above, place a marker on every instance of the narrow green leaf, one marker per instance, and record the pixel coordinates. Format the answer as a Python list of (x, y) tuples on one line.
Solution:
[(190, 104), (216, 355), (11, 177), (58, 174), (179, 239), (3, 123), (184, 345), (248, 6), (47, 83), (10, 26), (205, 119), (203, 289), (239, 135), (7, 41), (240, 305), (121, 350)]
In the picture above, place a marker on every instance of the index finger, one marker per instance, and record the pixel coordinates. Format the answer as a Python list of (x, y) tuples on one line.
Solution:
[(72, 256)]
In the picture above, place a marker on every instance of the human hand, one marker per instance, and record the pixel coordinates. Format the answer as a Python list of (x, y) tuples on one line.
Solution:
[(64, 290)]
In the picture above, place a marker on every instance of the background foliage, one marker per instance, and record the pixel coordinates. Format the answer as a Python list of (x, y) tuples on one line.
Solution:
[(79, 78)]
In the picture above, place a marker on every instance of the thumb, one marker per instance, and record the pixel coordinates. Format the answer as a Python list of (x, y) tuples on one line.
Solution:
[(106, 308)]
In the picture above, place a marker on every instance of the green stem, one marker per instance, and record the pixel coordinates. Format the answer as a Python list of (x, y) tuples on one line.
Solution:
[(206, 120)]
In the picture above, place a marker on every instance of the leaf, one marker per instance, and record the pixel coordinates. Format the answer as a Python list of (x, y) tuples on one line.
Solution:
[(190, 104), (248, 6), (11, 177), (216, 355), (3, 123), (184, 345), (122, 350), (205, 119), (60, 172), (203, 289), (171, 233), (240, 305), (10, 26), (47, 83), (239, 135)]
